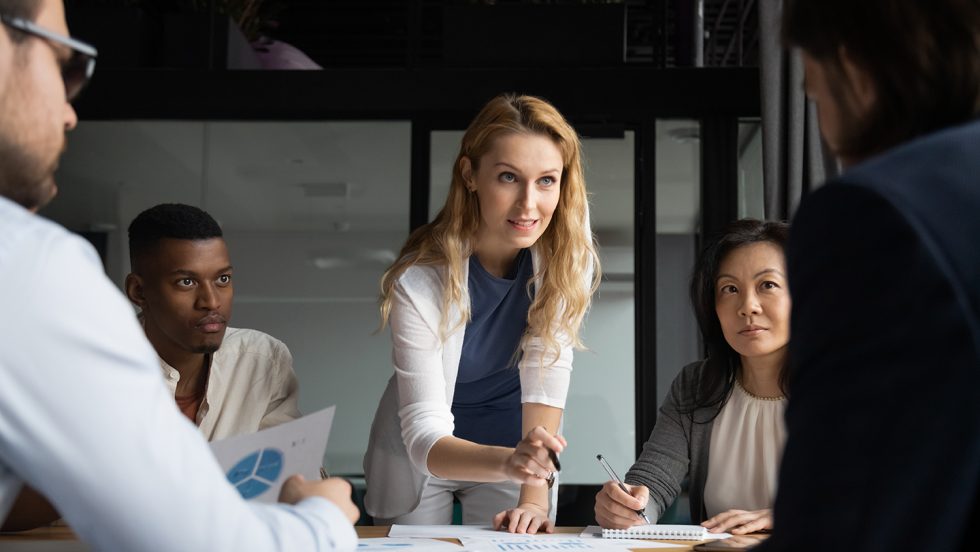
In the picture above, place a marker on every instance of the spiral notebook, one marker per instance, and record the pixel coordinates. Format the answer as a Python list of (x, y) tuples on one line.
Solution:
[(666, 532)]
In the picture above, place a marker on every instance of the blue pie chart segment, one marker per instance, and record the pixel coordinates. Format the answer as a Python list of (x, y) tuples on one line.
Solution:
[(256, 473), (270, 465), (251, 488)]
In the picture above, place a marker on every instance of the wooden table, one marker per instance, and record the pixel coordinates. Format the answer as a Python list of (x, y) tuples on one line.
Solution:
[(63, 533), (54, 532)]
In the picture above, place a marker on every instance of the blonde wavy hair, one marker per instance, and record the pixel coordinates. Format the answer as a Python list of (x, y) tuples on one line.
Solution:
[(561, 298)]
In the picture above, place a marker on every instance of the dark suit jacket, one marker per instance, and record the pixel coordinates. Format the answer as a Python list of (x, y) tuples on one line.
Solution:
[(884, 412)]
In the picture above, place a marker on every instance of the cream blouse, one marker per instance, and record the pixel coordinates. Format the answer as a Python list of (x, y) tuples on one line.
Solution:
[(251, 386), (747, 441)]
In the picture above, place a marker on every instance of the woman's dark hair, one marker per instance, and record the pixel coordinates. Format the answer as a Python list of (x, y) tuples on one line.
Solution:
[(722, 363), (923, 57)]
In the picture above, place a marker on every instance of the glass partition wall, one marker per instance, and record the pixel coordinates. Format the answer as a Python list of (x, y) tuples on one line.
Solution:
[(313, 212)]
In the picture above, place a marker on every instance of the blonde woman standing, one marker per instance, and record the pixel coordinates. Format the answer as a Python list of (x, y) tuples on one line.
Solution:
[(485, 305)]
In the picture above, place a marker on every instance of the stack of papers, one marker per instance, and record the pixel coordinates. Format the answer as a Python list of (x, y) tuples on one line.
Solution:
[(485, 539)]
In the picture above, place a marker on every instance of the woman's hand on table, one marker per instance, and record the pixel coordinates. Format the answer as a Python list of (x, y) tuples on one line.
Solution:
[(740, 522), (525, 518)]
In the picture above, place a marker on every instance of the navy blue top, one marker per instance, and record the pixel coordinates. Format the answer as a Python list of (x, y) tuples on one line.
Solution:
[(487, 400)]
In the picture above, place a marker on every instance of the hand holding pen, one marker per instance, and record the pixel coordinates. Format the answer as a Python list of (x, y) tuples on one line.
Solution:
[(535, 459), (534, 463), (335, 489), (619, 505)]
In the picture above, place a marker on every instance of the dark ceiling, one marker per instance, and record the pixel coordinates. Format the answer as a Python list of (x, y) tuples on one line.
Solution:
[(433, 33)]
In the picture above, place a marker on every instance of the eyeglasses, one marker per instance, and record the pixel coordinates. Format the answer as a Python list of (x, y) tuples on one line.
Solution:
[(77, 69)]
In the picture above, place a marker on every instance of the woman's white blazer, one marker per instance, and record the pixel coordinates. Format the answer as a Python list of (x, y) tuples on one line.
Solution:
[(415, 410)]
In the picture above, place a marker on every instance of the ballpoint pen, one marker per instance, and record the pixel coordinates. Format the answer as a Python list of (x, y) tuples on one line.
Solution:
[(553, 475), (612, 474)]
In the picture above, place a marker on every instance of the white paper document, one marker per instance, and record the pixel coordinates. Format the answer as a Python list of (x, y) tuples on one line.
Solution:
[(555, 543), (257, 464), (485, 539), (389, 544), (596, 532), (461, 532), (442, 531)]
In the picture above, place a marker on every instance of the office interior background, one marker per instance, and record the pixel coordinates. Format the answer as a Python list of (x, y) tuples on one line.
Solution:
[(320, 132)]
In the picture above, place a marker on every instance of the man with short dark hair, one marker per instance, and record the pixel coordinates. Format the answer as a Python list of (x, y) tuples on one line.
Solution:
[(228, 381), (84, 416), (883, 421)]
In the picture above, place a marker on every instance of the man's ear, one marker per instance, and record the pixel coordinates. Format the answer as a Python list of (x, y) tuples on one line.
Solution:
[(862, 86), (134, 290)]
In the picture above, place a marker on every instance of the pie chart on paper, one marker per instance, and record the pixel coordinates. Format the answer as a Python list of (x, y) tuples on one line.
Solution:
[(257, 472), (257, 464)]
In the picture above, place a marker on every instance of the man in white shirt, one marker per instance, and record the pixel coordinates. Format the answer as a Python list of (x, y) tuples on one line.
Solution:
[(228, 381), (84, 416)]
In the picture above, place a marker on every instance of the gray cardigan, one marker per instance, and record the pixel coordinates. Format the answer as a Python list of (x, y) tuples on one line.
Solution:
[(677, 448)]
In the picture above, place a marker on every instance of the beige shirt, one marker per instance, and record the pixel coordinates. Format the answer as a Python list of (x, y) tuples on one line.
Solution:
[(747, 442), (251, 386)]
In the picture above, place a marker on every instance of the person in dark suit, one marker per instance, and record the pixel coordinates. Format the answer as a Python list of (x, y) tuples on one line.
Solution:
[(884, 266)]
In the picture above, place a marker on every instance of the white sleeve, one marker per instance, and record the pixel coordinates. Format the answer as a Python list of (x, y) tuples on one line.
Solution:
[(545, 377), (417, 356), (87, 421), (541, 381)]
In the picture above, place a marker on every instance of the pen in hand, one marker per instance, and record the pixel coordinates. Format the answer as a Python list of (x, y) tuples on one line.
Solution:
[(554, 460), (605, 465)]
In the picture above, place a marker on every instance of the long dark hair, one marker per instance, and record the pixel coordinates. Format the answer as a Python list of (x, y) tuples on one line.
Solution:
[(923, 58), (722, 364)]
